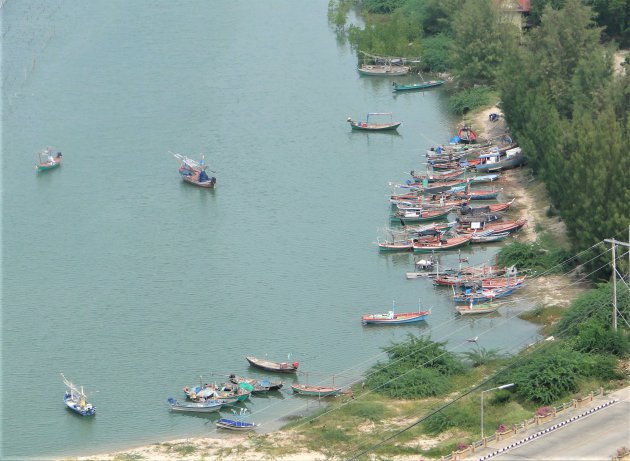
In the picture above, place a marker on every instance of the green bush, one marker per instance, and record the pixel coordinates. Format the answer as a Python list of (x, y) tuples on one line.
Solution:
[(469, 99), (594, 336), (533, 257)]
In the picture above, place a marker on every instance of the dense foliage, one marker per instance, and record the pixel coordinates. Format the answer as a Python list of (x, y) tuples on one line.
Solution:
[(416, 368), (533, 257)]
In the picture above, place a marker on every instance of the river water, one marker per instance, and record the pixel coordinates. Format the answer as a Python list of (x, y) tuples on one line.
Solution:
[(135, 284)]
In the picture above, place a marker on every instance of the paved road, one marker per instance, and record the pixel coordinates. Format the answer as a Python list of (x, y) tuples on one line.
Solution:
[(594, 437)]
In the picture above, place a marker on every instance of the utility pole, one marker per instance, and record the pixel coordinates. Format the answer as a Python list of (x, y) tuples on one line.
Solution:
[(614, 242)]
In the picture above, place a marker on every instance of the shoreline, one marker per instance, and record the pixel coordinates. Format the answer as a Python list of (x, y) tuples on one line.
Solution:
[(248, 446)]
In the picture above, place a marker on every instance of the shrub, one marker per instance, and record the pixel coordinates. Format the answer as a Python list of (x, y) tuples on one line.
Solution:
[(374, 411), (469, 99), (435, 54)]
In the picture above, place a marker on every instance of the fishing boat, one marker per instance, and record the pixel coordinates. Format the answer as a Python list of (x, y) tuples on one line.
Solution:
[(489, 237), (443, 244), (226, 393), (76, 400), (485, 194), (484, 294), (259, 385), (466, 135), (392, 318), (473, 308), (371, 126), (502, 282), (395, 246), (498, 227), (413, 216), (316, 391), (437, 176), (383, 70), (492, 208), (207, 406), (194, 172), (497, 160), (238, 423), (47, 160), (280, 367), (417, 86)]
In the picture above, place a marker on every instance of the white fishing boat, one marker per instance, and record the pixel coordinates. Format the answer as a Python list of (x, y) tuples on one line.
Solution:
[(207, 406)]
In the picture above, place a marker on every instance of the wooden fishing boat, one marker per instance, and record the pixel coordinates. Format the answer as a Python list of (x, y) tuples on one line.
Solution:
[(223, 392), (484, 178), (444, 186), (441, 244), (484, 295), (235, 425), (194, 172), (207, 406), (502, 282), (497, 161), (392, 318), (47, 160), (371, 126), (483, 194), (499, 227), (437, 176), (472, 309), (259, 385), (492, 208), (280, 367), (412, 216), (316, 391), (466, 135), (406, 245), (75, 399), (485, 237), (417, 86)]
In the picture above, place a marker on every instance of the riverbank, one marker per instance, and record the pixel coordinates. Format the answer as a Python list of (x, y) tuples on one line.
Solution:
[(291, 445)]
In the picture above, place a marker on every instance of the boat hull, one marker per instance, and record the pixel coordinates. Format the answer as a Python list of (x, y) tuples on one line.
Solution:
[(278, 367), (454, 243), (209, 184), (233, 425), (195, 407), (48, 166), (374, 127), (418, 86), (316, 391), (467, 310), (383, 71), (398, 319)]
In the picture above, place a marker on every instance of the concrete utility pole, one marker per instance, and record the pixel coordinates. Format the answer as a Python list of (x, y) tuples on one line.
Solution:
[(614, 242)]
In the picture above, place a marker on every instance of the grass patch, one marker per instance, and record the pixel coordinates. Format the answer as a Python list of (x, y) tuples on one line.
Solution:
[(185, 449), (128, 457), (543, 315)]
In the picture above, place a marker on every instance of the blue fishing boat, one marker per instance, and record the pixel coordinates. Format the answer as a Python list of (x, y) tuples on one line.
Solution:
[(76, 400), (238, 423)]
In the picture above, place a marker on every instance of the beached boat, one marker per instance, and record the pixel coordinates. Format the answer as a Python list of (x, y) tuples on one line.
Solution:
[(444, 244), (466, 135), (483, 194), (414, 216), (47, 159), (437, 176), (417, 86), (472, 308), (207, 406), (498, 227), (496, 161), (76, 400), (371, 126), (259, 385), (223, 392), (384, 70), (489, 237), (238, 423), (484, 294), (280, 367), (316, 391), (392, 318), (194, 172), (492, 208)]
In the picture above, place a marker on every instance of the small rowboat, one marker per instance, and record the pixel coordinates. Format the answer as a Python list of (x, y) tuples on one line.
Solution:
[(316, 391), (406, 245), (486, 194), (417, 86), (371, 126), (280, 367), (207, 406), (485, 237), (391, 318), (47, 160), (383, 70), (235, 425), (500, 227), (442, 244)]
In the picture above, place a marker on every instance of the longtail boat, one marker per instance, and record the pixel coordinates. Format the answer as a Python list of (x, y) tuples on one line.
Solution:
[(371, 126), (207, 406), (484, 295), (392, 318), (280, 367), (472, 308), (492, 208), (417, 86), (485, 237), (412, 216), (442, 244), (316, 391), (499, 227)]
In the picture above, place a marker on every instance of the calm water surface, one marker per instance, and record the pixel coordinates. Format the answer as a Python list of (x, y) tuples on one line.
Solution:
[(135, 284)]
